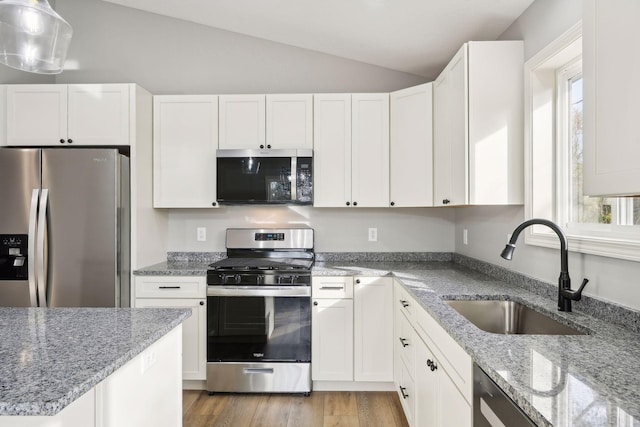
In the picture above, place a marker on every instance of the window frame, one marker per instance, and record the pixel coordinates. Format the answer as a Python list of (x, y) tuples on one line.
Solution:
[(541, 199)]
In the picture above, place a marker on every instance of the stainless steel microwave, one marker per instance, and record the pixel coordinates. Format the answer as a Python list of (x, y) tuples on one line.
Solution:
[(264, 177)]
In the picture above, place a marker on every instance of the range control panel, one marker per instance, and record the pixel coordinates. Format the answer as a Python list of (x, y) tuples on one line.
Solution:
[(268, 237)]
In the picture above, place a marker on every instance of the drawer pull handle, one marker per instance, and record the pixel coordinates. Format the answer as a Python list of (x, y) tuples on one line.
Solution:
[(432, 365), (169, 287), (332, 288), (404, 303), (403, 341), (404, 395), (258, 370)]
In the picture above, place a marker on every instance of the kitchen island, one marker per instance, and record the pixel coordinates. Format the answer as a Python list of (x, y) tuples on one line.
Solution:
[(90, 366)]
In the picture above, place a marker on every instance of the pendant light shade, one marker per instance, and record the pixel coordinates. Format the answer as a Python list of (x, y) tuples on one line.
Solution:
[(33, 37)]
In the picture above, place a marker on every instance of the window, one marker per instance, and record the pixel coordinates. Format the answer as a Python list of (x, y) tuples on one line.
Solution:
[(554, 164)]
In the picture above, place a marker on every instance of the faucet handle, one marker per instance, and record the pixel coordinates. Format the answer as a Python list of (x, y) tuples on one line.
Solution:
[(575, 295)]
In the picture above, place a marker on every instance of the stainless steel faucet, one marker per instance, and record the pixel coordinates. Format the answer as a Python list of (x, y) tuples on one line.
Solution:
[(565, 294)]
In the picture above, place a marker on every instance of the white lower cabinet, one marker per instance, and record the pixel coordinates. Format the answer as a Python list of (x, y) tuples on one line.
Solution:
[(352, 329), (181, 292), (434, 380)]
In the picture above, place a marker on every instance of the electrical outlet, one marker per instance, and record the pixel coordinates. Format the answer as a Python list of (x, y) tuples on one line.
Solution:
[(465, 237), (201, 234), (373, 234)]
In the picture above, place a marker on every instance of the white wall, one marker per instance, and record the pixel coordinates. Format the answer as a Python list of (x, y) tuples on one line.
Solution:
[(112, 43), (336, 230), (610, 279)]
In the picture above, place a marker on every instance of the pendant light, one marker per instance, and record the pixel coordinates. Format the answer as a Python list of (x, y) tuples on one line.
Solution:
[(33, 37)]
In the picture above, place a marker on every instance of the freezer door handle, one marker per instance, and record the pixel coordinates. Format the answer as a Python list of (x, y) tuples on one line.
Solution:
[(31, 251), (42, 229)]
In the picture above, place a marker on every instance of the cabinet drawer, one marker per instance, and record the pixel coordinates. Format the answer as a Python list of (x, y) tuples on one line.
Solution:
[(171, 287), (452, 357), (404, 302), (406, 393), (406, 342), (332, 287)]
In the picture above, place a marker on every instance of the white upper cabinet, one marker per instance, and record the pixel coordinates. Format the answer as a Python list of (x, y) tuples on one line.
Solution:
[(242, 122), (332, 150), (290, 121), (411, 146), (259, 122), (611, 93), (478, 126), (185, 139), (92, 114), (370, 150), (351, 150)]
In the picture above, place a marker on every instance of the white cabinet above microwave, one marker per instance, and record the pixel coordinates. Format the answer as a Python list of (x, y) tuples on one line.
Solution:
[(256, 122)]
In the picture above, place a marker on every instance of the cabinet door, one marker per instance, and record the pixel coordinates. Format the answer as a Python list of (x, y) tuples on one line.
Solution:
[(427, 392), (36, 115), (373, 329), (242, 122), (450, 133), (290, 121), (453, 409), (185, 140), (194, 334), (370, 150), (332, 340), (611, 91), (332, 150), (98, 114), (411, 146)]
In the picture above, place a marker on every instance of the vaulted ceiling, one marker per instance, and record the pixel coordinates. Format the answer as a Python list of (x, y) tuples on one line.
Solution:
[(413, 36)]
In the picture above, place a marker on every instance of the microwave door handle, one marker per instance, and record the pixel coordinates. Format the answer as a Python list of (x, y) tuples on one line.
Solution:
[(42, 250), (31, 250), (294, 178)]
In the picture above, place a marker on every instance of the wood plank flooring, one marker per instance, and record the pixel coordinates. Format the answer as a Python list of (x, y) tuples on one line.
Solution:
[(321, 409)]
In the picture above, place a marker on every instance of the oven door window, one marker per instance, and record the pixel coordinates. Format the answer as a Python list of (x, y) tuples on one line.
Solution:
[(253, 329)]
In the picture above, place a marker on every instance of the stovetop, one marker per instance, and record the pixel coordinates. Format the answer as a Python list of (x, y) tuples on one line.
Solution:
[(258, 264)]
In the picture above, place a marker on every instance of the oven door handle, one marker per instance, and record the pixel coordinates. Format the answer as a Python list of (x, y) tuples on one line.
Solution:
[(259, 291)]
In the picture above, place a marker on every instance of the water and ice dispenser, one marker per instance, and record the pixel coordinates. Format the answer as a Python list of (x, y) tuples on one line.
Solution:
[(13, 257)]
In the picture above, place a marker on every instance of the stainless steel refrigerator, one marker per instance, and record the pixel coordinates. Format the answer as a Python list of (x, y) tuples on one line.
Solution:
[(64, 227)]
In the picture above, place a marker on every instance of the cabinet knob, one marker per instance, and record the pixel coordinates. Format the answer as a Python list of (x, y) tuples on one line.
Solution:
[(348, 203), (201, 302), (446, 201), (432, 365), (261, 146), (358, 281), (69, 140), (214, 204), (315, 303), (61, 141), (355, 203), (268, 146), (393, 203)]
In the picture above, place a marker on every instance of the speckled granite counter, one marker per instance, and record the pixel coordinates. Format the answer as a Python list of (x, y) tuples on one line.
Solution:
[(51, 357), (588, 380)]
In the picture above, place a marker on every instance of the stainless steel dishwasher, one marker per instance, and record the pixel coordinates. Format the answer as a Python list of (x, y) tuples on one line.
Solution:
[(493, 408)]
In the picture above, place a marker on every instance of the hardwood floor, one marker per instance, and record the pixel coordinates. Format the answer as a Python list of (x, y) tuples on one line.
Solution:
[(321, 409)]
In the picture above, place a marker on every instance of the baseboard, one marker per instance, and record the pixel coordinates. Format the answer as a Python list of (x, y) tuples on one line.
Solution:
[(353, 386), (194, 385)]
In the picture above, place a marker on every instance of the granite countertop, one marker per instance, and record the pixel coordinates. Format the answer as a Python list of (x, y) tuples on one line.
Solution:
[(49, 357), (577, 380)]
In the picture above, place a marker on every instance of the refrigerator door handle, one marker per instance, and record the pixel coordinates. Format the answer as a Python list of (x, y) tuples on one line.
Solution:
[(31, 251), (42, 228)]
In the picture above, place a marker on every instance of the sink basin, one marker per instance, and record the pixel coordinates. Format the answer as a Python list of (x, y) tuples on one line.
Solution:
[(509, 317)]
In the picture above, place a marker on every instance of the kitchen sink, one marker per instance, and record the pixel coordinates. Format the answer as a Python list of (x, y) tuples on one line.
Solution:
[(510, 317)]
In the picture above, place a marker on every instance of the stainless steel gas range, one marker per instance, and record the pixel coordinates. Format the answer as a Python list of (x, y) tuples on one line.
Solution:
[(259, 312)]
